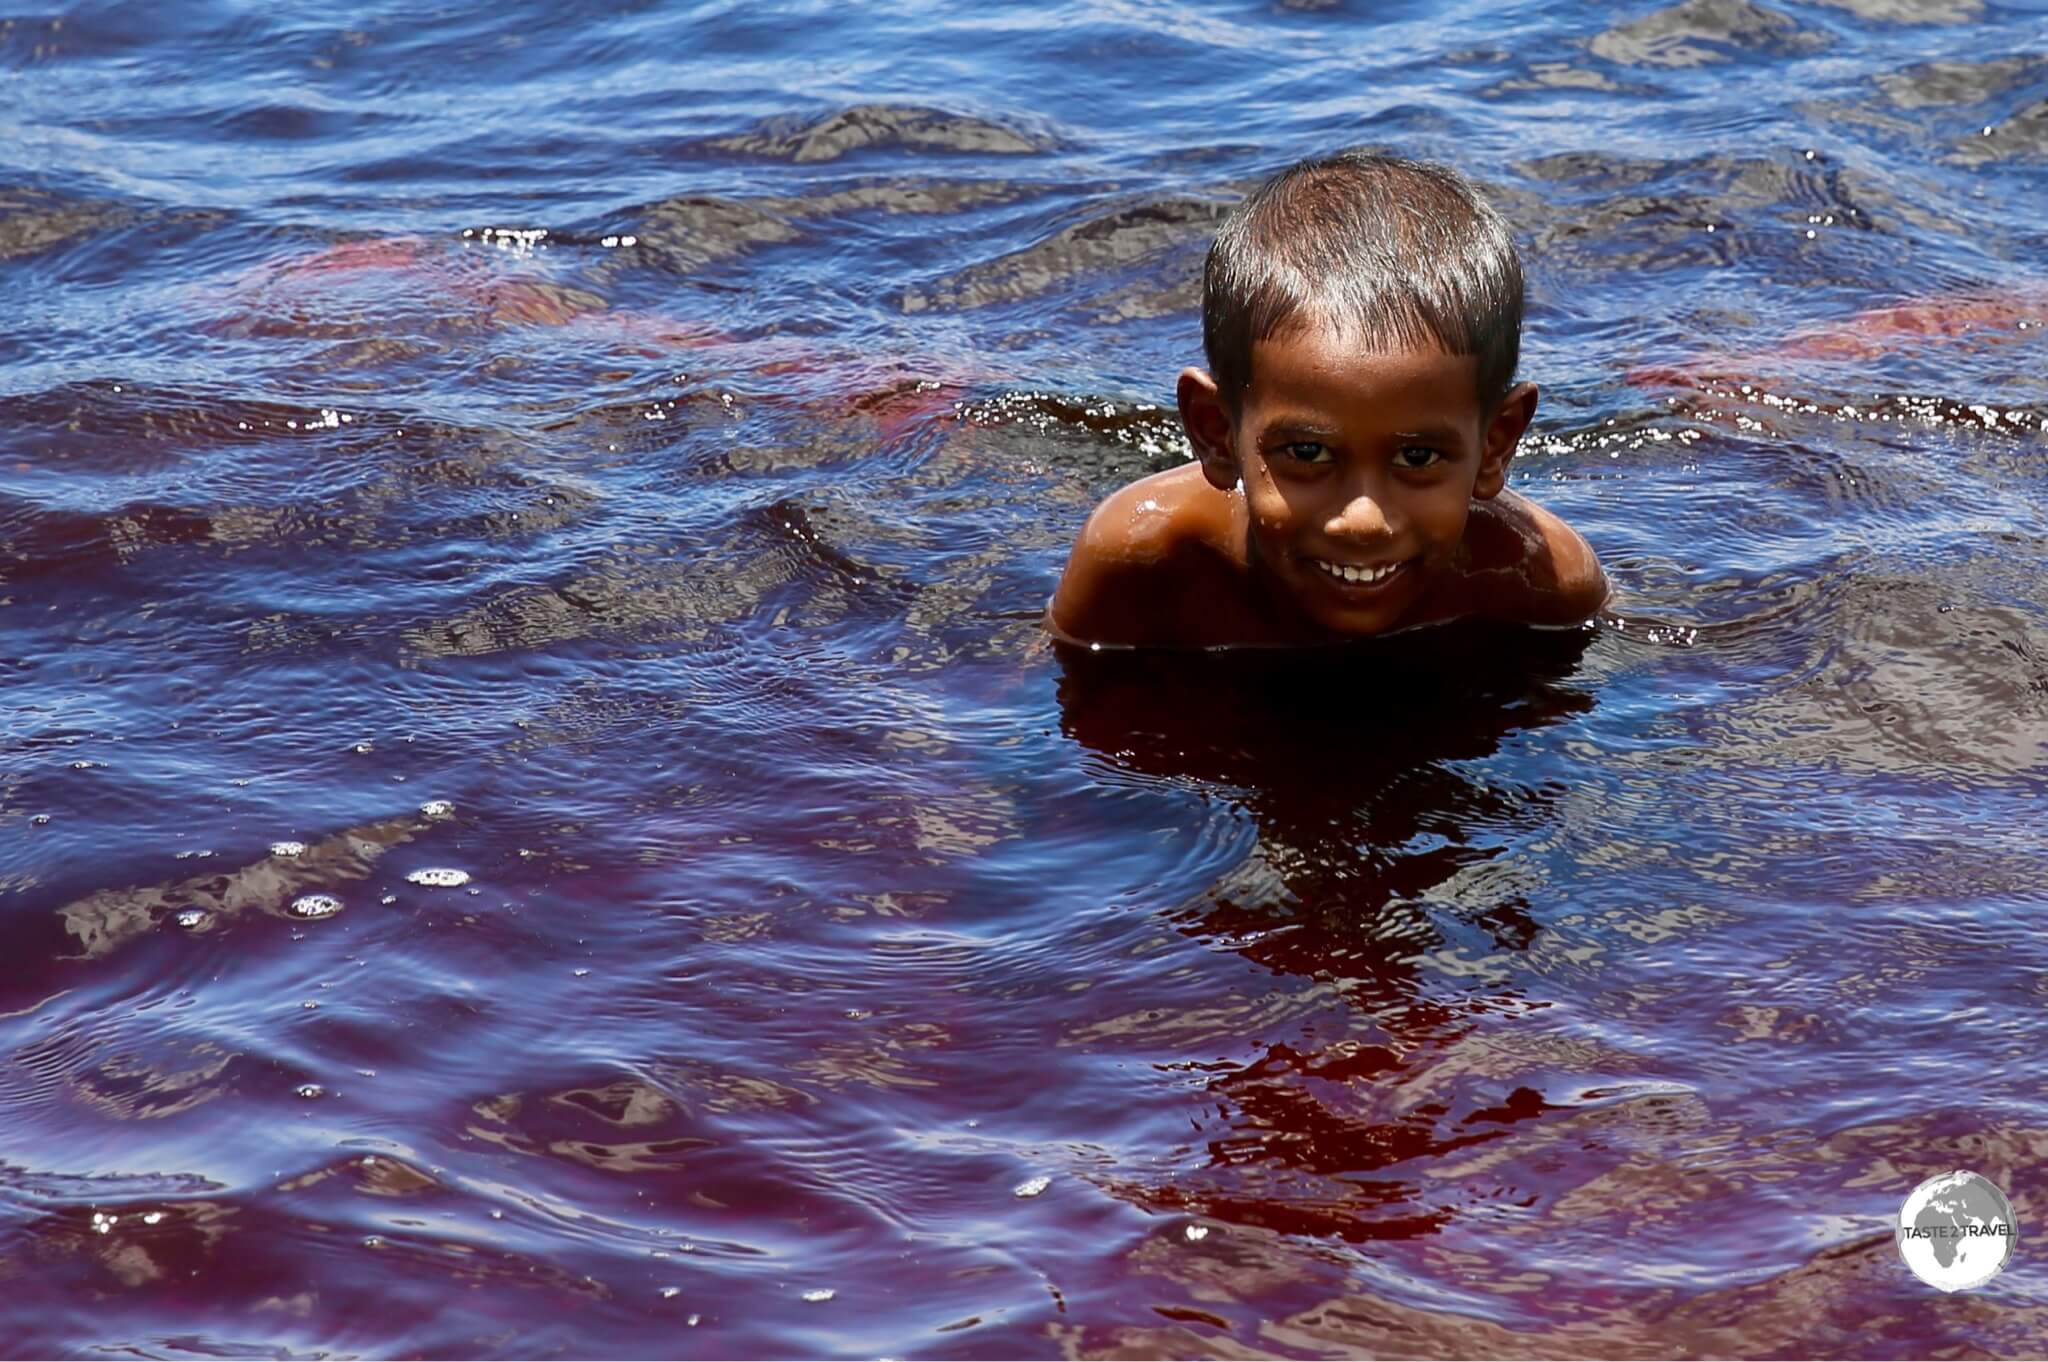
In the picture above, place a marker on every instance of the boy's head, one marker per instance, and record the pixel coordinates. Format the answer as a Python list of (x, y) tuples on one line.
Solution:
[(1362, 316), (1388, 253)]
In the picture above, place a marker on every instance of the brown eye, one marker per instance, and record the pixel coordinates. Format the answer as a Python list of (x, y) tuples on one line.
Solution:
[(1307, 451), (1417, 456)]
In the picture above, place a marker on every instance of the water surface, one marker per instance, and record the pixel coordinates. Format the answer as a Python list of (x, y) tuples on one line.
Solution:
[(537, 817)]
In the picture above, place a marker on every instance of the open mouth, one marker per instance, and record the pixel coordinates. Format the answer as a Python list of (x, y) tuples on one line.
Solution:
[(1357, 575)]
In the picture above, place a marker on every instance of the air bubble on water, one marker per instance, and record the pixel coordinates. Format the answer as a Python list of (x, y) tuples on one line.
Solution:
[(309, 1091), (669, 1293), (497, 1215), (436, 808), (191, 919), (151, 1217), (192, 855), (309, 1006), (1032, 1186), (315, 906), (41, 820), (388, 900), (287, 848), (363, 747), (1196, 1233), (819, 1294), (438, 877), (83, 765), (692, 1320), (373, 1241), (579, 973)]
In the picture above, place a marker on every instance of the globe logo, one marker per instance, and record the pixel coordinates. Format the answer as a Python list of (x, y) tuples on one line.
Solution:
[(1956, 1231)]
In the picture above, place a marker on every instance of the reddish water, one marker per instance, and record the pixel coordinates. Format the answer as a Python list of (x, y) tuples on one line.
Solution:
[(808, 961)]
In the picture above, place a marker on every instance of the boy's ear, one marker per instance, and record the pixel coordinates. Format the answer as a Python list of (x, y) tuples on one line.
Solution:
[(1206, 418), (1503, 433)]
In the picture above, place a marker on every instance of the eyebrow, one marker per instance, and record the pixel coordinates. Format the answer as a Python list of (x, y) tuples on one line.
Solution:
[(1292, 425)]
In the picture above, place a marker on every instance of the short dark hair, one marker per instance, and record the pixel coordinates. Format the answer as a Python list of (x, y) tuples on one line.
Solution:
[(1380, 247)]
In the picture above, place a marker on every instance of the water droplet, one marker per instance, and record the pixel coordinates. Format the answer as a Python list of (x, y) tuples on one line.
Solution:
[(373, 1241), (315, 906), (1196, 1233), (363, 747), (192, 919), (669, 1293), (820, 1293), (388, 900), (1032, 1186), (579, 973), (309, 1091), (436, 808), (40, 820), (497, 1215), (310, 1006), (692, 1320), (438, 877), (287, 848)]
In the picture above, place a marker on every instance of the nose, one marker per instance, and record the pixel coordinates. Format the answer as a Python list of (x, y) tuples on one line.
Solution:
[(1360, 517)]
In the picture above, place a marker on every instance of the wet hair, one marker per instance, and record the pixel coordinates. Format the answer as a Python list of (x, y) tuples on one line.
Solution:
[(1388, 251)]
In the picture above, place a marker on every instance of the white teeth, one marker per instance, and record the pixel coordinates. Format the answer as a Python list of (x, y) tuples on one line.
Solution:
[(1345, 572)]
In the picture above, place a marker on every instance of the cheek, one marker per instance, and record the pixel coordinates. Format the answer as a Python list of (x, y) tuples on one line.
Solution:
[(1441, 519), (1265, 500), (1273, 518)]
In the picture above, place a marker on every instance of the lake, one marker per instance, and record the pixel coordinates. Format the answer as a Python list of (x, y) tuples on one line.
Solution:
[(538, 817)]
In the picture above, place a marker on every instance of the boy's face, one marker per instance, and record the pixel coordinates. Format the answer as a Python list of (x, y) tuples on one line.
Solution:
[(1359, 469)]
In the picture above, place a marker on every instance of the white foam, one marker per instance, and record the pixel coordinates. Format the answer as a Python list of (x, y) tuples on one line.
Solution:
[(438, 877), (315, 906)]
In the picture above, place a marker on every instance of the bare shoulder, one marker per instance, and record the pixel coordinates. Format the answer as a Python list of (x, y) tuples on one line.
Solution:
[(1528, 565), (1125, 580)]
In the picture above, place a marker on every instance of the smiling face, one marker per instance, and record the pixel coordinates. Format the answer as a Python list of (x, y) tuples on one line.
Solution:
[(1359, 470)]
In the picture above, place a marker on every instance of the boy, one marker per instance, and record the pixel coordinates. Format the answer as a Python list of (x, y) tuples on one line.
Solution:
[(1362, 317)]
